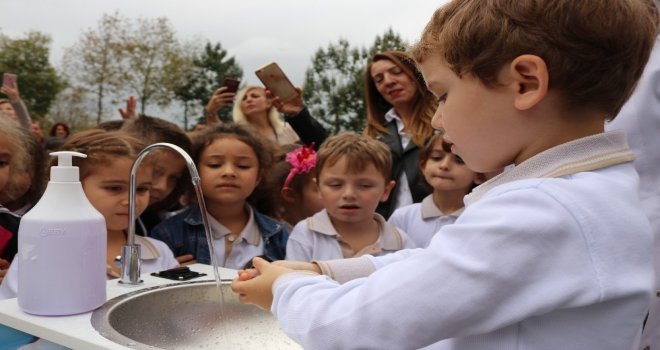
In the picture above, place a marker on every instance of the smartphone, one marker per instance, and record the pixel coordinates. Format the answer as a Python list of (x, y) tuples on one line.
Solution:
[(276, 81), (231, 84), (9, 80)]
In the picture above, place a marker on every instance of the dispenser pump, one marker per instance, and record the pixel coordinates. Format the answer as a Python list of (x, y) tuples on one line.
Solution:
[(65, 171)]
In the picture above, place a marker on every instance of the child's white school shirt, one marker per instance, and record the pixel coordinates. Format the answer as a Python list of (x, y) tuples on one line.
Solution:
[(316, 239), (154, 256), (640, 118), (552, 254), (422, 220)]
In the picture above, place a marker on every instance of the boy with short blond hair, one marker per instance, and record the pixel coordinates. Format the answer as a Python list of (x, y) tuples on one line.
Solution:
[(555, 252), (353, 176)]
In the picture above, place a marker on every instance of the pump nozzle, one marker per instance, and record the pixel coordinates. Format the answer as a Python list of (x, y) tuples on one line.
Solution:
[(64, 171)]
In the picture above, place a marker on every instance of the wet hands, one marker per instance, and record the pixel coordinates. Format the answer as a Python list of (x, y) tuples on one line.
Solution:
[(255, 286)]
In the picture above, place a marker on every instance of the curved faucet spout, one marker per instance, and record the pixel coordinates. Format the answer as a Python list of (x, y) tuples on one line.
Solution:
[(130, 253)]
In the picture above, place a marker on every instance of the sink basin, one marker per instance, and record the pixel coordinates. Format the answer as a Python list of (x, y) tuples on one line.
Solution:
[(188, 316)]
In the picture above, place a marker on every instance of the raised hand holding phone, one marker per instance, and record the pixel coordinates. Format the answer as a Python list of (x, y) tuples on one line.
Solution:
[(223, 96), (231, 84), (9, 80), (274, 79), (9, 86)]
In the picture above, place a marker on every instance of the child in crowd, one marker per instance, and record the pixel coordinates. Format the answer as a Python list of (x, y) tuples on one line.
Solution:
[(299, 195), (353, 176), (450, 179), (170, 174), (104, 175), (30, 180), (554, 253), (13, 153), (13, 107), (233, 163)]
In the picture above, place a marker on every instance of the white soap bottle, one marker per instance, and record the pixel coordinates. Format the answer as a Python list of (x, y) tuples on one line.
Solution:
[(62, 248)]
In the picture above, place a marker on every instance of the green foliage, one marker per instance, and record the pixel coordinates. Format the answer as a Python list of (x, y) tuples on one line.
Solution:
[(208, 71), (334, 84), (38, 81)]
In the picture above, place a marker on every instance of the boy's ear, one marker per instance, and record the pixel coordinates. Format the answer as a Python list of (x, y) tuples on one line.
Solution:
[(530, 74), (388, 189)]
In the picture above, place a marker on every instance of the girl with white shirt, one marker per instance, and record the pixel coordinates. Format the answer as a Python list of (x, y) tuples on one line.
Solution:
[(450, 179)]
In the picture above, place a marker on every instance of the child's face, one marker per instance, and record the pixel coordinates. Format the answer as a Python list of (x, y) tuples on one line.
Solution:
[(60, 131), (478, 120), (310, 199), (229, 171), (447, 172), (5, 162), (6, 109), (393, 83), (350, 197), (107, 188), (168, 170)]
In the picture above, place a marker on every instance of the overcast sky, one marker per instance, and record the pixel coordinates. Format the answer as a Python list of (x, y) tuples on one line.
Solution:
[(255, 32)]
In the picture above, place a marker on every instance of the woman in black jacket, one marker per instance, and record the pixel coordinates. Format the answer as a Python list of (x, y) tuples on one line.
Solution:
[(399, 112)]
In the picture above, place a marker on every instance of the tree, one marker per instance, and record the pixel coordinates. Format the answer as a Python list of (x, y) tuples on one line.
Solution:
[(94, 62), (148, 49), (334, 84), (390, 41), (71, 107), (331, 86), (207, 72), (38, 81)]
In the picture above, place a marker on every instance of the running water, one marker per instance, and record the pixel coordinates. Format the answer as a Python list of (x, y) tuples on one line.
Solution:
[(209, 240), (130, 274)]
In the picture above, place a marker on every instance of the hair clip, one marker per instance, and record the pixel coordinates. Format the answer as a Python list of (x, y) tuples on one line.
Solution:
[(302, 160)]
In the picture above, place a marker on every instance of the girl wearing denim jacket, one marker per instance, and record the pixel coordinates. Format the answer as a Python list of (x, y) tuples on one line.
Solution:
[(232, 162)]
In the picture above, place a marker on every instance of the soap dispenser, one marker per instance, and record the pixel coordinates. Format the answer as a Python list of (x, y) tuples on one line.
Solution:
[(62, 247)]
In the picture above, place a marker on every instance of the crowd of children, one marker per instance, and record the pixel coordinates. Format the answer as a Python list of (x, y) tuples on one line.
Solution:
[(516, 224)]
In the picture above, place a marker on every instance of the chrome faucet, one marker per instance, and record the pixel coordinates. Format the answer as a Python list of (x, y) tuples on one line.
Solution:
[(130, 253)]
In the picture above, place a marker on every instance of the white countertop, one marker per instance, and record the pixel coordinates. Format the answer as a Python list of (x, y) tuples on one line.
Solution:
[(76, 331)]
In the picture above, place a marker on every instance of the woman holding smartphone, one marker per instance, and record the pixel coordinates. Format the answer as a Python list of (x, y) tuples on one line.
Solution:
[(399, 112), (258, 107)]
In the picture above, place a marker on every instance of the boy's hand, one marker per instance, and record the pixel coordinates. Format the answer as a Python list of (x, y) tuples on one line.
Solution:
[(299, 265), (255, 286)]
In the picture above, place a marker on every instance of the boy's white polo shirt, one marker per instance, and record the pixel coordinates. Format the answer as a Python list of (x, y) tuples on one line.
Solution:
[(316, 238), (422, 220)]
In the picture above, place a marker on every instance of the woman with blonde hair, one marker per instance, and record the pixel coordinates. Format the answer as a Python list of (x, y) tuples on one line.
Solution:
[(255, 106)]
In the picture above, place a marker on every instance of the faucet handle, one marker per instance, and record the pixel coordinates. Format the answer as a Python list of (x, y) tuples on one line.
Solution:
[(130, 264)]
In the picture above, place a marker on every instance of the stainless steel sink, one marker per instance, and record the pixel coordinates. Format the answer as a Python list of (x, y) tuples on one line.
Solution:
[(188, 316)]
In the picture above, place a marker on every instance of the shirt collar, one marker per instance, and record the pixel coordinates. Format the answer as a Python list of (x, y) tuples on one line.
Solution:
[(430, 210), (250, 232), (390, 116), (389, 237), (583, 154)]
